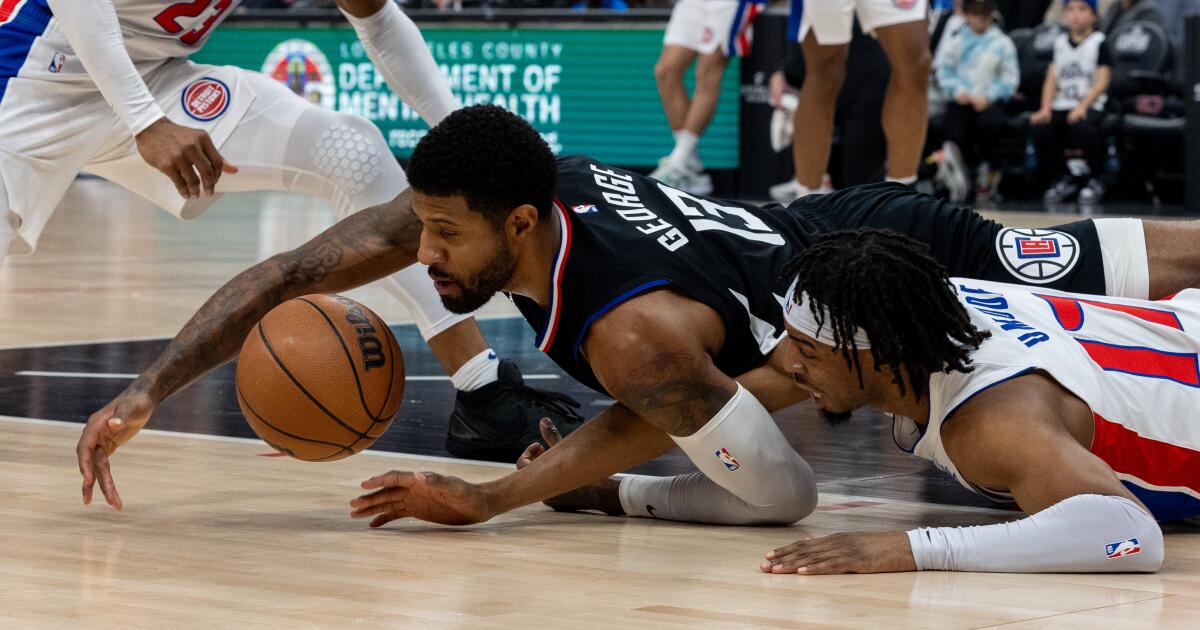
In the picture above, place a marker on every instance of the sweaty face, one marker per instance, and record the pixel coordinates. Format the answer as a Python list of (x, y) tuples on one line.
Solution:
[(822, 371), (468, 257)]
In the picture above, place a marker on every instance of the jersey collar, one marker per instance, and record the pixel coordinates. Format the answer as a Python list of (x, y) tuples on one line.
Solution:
[(546, 336)]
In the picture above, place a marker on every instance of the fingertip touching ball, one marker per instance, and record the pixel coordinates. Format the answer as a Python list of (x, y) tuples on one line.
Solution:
[(320, 378)]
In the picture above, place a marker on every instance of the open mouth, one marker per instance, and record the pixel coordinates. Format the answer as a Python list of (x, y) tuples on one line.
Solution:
[(817, 396)]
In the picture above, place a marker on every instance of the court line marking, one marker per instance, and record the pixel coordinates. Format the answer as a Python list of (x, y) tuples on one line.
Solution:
[(260, 443), (85, 342), (129, 377)]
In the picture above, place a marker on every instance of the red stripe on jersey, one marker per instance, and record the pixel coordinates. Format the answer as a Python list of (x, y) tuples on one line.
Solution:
[(1179, 367), (1152, 461), (8, 8), (1069, 312)]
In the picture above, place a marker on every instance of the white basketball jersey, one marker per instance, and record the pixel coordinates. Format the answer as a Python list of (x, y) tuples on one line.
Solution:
[(157, 30), (1134, 362), (1076, 65)]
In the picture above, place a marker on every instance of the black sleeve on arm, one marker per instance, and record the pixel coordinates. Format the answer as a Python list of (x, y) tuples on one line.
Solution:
[(1105, 57)]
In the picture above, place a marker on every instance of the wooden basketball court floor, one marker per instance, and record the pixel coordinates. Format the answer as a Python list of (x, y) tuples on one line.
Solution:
[(215, 535)]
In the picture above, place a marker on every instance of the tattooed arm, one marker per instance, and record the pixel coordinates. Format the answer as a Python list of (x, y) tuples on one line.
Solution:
[(363, 247)]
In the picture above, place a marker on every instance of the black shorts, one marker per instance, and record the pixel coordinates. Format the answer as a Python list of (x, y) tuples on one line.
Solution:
[(1064, 257)]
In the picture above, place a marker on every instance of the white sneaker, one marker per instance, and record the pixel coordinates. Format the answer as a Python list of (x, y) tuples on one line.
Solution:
[(788, 191), (683, 176), (953, 173)]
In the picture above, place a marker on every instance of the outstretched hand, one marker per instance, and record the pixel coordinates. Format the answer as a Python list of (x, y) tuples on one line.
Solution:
[(427, 496), (105, 430)]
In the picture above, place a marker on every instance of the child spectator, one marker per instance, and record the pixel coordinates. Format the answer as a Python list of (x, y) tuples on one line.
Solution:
[(976, 71), (1068, 123)]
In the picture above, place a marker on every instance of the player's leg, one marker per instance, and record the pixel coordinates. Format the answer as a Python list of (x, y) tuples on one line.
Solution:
[(905, 107), (680, 44), (815, 108), (668, 75)]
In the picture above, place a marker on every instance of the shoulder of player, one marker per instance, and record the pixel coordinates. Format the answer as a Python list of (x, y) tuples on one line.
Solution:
[(989, 437)]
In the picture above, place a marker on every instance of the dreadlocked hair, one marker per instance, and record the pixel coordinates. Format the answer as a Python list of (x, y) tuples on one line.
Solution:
[(890, 286)]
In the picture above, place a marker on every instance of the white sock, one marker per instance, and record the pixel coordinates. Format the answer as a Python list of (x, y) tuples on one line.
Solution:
[(481, 370), (907, 181), (685, 147)]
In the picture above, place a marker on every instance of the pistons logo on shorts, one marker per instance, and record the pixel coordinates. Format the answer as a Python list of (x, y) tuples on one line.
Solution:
[(205, 99), (1037, 256), (905, 4), (707, 35)]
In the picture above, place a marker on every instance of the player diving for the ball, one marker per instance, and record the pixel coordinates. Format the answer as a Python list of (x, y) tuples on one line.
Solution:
[(660, 299), (1082, 410), (106, 87)]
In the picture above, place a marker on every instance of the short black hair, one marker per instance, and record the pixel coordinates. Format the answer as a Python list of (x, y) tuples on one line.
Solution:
[(890, 286), (491, 157)]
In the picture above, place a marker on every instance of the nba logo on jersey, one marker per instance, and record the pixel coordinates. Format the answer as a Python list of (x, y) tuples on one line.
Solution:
[(56, 62), (1037, 248), (205, 99), (1122, 549), (727, 459), (585, 209)]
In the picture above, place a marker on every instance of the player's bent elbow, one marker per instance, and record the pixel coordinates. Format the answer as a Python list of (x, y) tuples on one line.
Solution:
[(794, 498)]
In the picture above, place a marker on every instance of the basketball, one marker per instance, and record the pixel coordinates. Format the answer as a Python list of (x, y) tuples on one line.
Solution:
[(320, 378)]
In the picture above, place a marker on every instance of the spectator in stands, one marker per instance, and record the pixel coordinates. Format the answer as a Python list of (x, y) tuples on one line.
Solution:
[(1054, 15), (699, 31), (1073, 98), (1126, 11), (976, 71)]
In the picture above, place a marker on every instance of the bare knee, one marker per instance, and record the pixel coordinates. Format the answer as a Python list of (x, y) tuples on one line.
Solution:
[(825, 70)]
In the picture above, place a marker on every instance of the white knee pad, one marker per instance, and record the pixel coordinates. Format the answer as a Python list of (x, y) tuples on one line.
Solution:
[(344, 159), (749, 474)]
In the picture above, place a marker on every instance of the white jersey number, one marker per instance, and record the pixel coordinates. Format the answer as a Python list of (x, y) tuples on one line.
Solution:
[(707, 215)]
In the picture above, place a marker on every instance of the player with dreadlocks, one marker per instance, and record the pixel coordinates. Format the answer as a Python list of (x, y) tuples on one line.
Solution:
[(1081, 410)]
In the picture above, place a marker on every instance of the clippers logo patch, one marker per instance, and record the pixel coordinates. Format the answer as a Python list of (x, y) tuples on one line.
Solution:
[(205, 99), (727, 459), (585, 209), (1122, 549), (1037, 256)]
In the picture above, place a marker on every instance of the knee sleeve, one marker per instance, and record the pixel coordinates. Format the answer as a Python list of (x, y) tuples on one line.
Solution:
[(749, 474), (342, 158)]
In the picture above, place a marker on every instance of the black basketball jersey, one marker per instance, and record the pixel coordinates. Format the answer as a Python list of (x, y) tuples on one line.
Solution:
[(624, 234)]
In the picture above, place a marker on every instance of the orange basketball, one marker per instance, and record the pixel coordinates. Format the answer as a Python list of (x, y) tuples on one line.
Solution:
[(320, 378)]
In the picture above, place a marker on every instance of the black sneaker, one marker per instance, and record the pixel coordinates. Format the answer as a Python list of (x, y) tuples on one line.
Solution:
[(497, 421), (1064, 190)]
